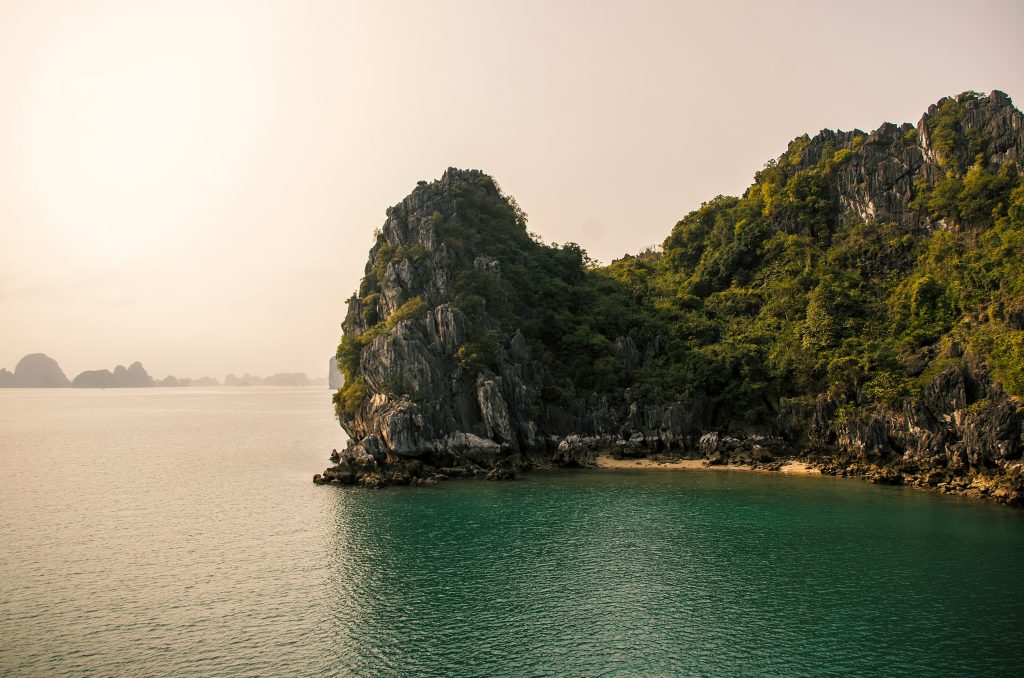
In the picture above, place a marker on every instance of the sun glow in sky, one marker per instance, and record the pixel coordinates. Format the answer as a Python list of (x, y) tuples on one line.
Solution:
[(128, 138), (195, 184)]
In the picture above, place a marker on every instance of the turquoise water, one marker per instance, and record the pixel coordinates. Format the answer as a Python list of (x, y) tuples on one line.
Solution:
[(153, 532)]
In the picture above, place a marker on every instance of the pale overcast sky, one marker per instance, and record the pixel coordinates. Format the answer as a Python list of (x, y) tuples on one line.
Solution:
[(195, 184)]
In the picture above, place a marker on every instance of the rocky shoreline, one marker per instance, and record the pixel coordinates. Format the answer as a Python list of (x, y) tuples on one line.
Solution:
[(1004, 485), (464, 357)]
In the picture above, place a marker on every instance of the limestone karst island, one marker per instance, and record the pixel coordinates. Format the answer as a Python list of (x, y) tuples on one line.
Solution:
[(553, 338), (859, 309)]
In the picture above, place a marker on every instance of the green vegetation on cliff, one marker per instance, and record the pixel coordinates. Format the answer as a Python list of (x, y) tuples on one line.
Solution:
[(507, 280), (777, 294), (781, 294)]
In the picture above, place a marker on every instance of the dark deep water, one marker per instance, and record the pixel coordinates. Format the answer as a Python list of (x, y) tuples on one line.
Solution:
[(176, 531)]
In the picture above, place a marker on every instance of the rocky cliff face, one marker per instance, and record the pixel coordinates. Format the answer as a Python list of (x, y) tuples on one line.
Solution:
[(420, 402), (880, 180), (419, 407)]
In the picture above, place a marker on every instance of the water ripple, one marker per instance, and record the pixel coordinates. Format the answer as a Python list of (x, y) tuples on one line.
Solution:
[(150, 533)]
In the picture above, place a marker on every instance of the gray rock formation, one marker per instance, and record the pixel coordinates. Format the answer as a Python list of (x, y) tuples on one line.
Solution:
[(879, 182), (424, 404)]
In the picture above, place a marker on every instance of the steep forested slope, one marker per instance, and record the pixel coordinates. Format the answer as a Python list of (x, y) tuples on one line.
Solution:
[(861, 304)]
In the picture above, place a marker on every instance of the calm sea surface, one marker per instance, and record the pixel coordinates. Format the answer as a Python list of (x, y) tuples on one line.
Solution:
[(170, 532)]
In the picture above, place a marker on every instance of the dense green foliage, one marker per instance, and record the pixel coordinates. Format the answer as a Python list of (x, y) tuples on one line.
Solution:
[(569, 314), (756, 299), (773, 296)]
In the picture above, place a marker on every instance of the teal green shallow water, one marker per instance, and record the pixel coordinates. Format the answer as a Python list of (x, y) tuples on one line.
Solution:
[(158, 532)]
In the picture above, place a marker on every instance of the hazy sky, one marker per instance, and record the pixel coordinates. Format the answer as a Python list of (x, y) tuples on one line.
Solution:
[(195, 184)]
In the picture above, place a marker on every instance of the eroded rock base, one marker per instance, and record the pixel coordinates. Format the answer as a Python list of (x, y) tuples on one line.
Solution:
[(1003, 483), (367, 471)]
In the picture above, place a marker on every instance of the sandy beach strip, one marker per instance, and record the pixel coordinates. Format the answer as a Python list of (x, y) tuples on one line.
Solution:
[(606, 461), (800, 468)]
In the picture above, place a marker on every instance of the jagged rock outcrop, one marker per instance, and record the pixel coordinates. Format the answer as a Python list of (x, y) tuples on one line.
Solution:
[(440, 384), (878, 183), (422, 403)]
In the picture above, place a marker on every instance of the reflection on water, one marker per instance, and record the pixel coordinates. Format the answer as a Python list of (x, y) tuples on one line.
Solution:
[(153, 532), (661, 573)]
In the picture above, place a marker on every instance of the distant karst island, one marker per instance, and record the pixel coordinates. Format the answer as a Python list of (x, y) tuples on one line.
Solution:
[(35, 370), (38, 370), (860, 308)]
